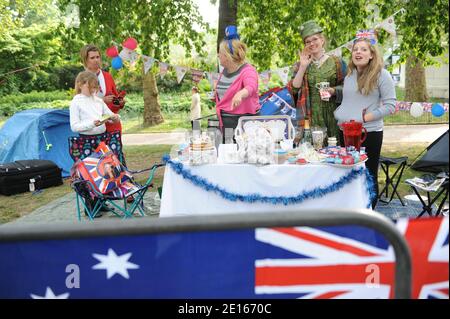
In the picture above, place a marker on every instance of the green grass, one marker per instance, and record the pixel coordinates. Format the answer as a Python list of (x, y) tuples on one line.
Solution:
[(138, 157), (175, 109)]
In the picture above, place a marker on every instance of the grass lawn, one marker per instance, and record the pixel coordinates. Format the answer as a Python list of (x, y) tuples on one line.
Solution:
[(399, 150), (138, 157)]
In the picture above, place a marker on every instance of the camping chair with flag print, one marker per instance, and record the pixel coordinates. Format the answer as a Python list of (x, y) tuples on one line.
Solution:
[(101, 178)]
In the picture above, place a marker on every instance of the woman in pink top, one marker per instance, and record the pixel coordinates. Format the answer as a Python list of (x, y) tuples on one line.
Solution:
[(237, 87)]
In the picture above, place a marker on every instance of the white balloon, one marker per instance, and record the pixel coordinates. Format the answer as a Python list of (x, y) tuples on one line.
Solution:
[(416, 109)]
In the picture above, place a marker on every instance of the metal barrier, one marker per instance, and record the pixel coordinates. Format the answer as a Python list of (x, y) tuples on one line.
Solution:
[(15, 235)]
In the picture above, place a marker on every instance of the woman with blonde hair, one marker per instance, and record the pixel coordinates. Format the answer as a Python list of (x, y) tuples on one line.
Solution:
[(368, 96), (236, 91)]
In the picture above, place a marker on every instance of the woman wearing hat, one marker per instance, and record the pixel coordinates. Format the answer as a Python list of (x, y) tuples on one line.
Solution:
[(236, 91), (312, 74)]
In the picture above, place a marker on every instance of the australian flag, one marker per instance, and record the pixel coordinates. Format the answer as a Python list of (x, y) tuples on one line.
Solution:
[(293, 262)]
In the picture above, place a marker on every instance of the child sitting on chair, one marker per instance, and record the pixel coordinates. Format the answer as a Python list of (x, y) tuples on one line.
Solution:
[(86, 109)]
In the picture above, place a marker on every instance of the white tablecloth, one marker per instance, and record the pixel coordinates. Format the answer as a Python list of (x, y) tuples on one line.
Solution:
[(181, 197)]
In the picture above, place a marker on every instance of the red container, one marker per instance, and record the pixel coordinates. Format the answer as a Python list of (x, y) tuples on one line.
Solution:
[(353, 133)]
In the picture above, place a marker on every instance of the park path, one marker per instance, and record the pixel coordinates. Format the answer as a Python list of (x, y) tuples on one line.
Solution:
[(392, 134)]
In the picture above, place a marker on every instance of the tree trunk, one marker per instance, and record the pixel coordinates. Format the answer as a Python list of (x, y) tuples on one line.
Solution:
[(152, 108), (415, 81), (227, 16)]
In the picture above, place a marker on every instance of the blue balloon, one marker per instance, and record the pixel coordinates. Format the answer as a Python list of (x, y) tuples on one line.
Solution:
[(437, 110), (117, 63)]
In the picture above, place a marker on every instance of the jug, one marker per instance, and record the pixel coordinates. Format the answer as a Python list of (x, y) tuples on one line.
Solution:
[(352, 133)]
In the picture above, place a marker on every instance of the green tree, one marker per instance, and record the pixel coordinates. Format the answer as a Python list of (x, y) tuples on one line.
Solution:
[(29, 47), (154, 24), (14, 12), (423, 30), (270, 29)]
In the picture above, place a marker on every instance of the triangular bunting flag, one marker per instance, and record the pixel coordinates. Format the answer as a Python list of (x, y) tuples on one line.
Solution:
[(128, 55), (163, 68), (148, 62), (181, 72), (265, 78), (336, 52), (283, 74), (213, 77), (389, 25), (197, 75), (349, 45)]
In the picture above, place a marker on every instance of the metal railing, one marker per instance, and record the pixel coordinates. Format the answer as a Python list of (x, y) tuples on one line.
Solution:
[(199, 223)]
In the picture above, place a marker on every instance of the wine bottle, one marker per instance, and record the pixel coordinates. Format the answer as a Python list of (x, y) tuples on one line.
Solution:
[(307, 135)]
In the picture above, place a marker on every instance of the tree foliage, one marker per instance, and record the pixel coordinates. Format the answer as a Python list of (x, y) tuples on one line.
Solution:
[(154, 24), (270, 27)]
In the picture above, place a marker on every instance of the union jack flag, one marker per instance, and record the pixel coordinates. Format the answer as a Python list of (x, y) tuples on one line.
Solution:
[(367, 34), (104, 170), (329, 265)]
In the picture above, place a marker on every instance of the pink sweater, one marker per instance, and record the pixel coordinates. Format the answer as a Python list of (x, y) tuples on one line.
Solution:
[(247, 78)]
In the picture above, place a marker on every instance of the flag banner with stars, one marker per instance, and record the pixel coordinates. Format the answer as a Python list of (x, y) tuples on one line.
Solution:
[(291, 262)]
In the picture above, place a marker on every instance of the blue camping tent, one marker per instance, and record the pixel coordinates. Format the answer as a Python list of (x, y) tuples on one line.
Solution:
[(37, 134)]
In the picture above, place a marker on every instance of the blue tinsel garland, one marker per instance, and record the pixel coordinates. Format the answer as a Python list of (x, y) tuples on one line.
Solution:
[(286, 200)]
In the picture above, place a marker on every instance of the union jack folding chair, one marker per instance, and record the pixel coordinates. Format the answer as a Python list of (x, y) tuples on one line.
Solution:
[(101, 178)]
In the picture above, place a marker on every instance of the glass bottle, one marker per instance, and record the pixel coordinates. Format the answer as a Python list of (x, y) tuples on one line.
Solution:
[(307, 135)]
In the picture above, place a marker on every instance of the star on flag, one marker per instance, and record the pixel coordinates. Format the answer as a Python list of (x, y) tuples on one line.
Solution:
[(49, 294), (114, 264)]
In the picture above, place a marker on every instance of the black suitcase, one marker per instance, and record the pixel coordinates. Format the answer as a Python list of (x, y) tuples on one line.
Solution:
[(28, 175)]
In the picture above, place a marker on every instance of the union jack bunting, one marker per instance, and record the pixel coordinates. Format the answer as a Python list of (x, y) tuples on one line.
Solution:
[(267, 263), (406, 106)]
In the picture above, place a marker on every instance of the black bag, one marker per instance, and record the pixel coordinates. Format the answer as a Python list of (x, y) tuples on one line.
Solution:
[(28, 175)]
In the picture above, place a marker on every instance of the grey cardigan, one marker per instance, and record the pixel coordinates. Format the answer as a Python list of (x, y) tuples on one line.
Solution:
[(380, 102)]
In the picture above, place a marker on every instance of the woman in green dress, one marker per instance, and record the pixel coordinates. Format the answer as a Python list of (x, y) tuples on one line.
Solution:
[(316, 70)]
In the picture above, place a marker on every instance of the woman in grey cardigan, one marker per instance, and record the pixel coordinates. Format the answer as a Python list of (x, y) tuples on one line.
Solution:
[(368, 95)]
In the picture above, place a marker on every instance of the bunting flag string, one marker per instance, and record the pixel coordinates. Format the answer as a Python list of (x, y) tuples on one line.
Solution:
[(197, 75), (181, 72), (163, 69), (129, 54), (265, 78), (148, 62), (283, 74), (387, 24)]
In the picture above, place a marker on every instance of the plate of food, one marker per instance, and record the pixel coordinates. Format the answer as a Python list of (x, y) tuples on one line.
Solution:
[(344, 165)]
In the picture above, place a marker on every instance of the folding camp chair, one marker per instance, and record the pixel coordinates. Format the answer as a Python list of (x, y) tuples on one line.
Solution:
[(392, 180), (101, 179), (427, 206)]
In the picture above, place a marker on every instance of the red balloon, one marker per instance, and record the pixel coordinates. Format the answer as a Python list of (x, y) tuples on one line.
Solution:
[(130, 43), (112, 52)]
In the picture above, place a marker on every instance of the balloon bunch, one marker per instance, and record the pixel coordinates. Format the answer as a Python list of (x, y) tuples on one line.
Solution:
[(112, 52)]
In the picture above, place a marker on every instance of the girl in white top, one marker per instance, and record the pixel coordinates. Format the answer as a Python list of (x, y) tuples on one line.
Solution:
[(86, 109)]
